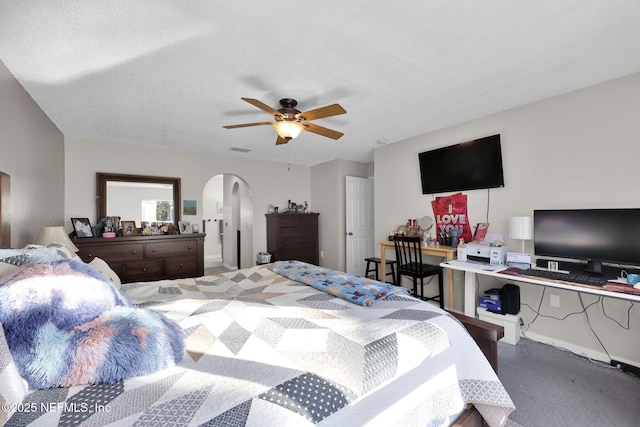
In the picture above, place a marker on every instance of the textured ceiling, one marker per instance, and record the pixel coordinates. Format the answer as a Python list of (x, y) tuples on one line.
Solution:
[(171, 73)]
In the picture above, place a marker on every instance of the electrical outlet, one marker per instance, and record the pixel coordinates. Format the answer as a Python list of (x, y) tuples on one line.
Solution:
[(554, 300), (321, 254)]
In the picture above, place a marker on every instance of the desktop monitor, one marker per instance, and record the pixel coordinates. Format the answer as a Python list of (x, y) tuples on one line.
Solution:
[(594, 235)]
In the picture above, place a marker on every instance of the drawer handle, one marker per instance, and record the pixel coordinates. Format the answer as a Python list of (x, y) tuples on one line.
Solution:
[(90, 255), (153, 250), (189, 247), (133, 252), (144, 269), (181, 265)]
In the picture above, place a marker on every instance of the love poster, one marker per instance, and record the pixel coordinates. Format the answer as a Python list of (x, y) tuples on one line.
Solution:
[(451, 212)]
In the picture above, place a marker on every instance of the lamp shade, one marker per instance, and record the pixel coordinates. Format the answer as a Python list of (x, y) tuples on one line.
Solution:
[(521, 227), (49, 235), (288, 130)]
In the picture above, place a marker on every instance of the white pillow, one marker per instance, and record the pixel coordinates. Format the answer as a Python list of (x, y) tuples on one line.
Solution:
[(102, 266)]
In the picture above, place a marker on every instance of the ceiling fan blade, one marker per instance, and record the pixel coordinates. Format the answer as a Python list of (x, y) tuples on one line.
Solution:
[(281, 140), (329, 133), (244, 125), (319, 113), (261, 105)]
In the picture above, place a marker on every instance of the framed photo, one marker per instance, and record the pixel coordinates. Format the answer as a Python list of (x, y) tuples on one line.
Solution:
[(82, 227), (481, 231), (189, 207), (185, 227), (129, 228)]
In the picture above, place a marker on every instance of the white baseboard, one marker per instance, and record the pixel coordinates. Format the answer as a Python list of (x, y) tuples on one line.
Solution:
[(229, 267), (581, 351), (213, 261)]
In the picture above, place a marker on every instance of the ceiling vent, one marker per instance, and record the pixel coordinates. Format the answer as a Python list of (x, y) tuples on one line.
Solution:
[(240, 150)]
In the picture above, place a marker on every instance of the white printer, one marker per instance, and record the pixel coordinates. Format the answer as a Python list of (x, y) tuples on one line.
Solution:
[(483, 253)]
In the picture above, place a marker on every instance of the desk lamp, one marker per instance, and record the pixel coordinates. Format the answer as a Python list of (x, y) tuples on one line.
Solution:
[(521, 227)]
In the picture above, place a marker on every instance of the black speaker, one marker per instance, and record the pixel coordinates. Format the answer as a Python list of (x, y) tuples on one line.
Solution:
[(510, 297)]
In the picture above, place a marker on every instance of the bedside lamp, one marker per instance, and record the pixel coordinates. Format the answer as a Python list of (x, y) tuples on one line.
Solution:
[(49, 235), (521, 227)]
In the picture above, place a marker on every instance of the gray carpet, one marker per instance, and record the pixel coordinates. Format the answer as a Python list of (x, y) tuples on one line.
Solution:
[(552, 387), (209, 271)]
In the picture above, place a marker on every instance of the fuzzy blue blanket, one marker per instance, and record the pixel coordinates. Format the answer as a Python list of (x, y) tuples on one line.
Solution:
[(66, 325)]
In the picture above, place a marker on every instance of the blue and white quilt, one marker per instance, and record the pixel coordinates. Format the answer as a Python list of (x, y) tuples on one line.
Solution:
[(264, 350)]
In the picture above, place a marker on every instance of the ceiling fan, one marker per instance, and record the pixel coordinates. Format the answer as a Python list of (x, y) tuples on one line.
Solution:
[(289, 122)]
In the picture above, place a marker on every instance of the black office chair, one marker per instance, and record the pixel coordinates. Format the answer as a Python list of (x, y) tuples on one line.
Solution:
[(409, 258)]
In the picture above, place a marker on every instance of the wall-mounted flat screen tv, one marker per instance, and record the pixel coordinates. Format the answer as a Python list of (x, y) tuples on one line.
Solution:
[(470, 165)]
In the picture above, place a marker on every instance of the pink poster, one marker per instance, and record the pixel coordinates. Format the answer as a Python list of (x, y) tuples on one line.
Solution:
[(451, 212)]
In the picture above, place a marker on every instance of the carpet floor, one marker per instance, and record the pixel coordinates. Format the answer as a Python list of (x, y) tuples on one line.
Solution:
[(553, 387)]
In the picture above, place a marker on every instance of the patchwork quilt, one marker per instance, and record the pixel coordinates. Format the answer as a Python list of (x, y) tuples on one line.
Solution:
[(264, 350)]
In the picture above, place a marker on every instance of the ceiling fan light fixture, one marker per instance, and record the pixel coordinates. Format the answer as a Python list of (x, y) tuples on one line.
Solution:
[(288, 130)]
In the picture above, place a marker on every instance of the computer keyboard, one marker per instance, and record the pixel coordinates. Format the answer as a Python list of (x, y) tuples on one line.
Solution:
[(575, 277)]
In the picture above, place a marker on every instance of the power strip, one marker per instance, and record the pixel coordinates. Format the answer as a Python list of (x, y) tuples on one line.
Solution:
[(625, 367)]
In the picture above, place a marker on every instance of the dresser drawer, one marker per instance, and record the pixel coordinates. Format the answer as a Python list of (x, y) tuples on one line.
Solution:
[(169, 249), (299, 242), (293, 220), (304, 230), (178, 267), (133, 251), (309, 256), (139, 271)]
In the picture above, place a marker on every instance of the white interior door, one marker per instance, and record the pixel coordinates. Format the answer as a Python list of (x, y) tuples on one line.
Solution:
[(359, 224)]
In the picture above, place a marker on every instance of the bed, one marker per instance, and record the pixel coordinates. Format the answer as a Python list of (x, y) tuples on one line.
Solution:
[(272, 345)]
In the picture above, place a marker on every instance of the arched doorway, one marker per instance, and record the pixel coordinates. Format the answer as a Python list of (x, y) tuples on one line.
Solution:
[(228, 221)]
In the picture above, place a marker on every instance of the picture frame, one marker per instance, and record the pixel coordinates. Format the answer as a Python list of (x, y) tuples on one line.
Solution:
[(82, 227), (189, 207), (184, 227), (129, 228)]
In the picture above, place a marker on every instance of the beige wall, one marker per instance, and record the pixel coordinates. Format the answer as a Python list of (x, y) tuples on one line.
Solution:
[(32, 153), (268, 182), (577, 150), (328, 190)]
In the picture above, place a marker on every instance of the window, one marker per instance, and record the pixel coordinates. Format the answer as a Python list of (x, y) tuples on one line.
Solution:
[(157, 210)]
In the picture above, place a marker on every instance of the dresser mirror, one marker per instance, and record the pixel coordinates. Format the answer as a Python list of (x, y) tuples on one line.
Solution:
[(124, 195)]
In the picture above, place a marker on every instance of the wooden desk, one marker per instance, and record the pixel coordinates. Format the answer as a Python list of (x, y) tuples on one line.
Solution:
[(446, 252)]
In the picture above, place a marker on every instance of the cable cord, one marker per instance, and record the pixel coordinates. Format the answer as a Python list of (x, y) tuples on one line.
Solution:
[(586, 314), (584, 310), (538, 314), (614, 320), (488, 204)]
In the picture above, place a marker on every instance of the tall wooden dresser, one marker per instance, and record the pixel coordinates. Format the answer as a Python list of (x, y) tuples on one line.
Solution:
[(144, 258), (293, 236)]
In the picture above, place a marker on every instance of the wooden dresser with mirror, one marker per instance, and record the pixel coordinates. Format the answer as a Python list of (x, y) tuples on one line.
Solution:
[(142, 258)]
